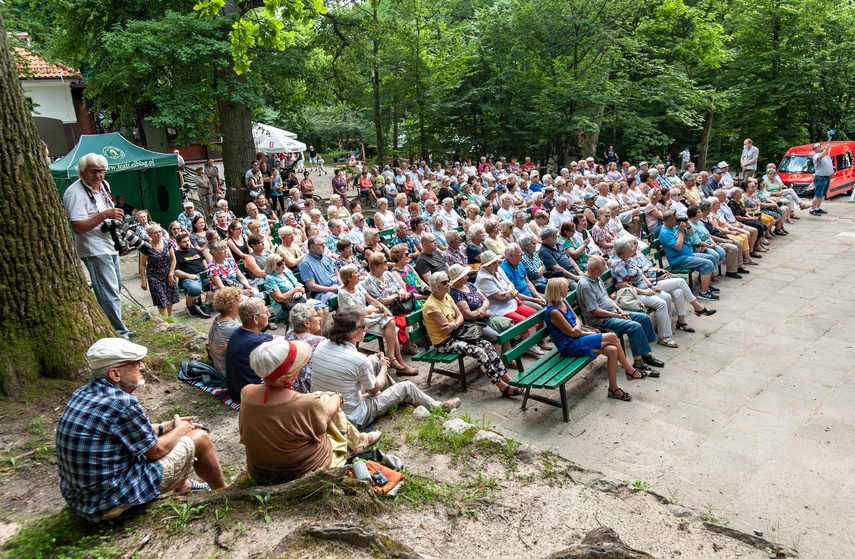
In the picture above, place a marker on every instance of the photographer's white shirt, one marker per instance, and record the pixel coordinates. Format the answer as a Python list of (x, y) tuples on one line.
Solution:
[(79, 207)]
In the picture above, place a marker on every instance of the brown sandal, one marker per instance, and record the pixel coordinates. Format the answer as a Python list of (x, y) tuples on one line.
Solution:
[(366, 440), (403, 370)]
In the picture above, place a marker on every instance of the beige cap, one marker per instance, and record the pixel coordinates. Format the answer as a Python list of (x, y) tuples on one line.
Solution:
[(110, 351), (279, 358)]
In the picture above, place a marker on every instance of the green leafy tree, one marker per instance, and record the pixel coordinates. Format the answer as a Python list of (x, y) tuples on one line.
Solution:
[(166, 64), (792, 79)]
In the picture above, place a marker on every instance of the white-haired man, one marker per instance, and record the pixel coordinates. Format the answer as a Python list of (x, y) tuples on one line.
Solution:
[(450, 218), (506, 209), (252, 214), (109, 456), (89, 205), (560, 213)]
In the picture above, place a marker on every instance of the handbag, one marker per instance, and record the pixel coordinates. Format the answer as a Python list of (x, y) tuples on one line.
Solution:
[(627, 299), (291, 302), (469, 332), (500, 323), (399, 307)]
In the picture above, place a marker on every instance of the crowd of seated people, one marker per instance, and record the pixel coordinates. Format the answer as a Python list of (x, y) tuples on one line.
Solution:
[(491, 245)]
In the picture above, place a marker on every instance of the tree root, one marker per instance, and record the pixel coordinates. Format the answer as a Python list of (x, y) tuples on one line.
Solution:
[(141, 544), (752, 540), (600, 543), (356, 536), (305, 486)]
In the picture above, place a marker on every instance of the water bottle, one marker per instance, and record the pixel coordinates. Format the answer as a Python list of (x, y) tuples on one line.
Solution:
[(360, 470)]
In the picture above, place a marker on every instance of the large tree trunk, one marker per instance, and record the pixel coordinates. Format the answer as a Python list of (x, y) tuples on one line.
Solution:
[(49, 315), (375, 82), (238, 147), (705, 136)]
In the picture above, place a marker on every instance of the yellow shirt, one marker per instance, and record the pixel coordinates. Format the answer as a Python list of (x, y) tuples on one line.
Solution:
[(693, 195), (446, 308)]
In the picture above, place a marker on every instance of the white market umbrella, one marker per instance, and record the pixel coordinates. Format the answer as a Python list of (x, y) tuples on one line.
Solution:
[(270, 139)]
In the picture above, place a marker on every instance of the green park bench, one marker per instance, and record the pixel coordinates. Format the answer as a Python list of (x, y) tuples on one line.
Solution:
[(432, 356), (549, 372)]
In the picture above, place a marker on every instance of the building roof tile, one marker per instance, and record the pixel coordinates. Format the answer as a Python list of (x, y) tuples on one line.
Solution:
[(33, 65)]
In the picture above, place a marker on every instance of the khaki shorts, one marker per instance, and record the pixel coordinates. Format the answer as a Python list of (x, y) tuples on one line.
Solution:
[(176, 467)]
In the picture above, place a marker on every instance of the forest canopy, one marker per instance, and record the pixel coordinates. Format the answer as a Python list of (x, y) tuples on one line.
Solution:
[(549, 79)]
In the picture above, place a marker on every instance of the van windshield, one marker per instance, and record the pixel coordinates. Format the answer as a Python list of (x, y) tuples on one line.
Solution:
[(796, 164)]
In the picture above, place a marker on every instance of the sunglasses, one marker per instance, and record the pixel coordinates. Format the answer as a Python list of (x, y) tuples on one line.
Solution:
[(445, 282)]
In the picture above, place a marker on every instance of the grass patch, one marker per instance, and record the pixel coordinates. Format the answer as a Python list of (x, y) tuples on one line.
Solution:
[(39, 428), (62, 535), (551, 469), (710, 515), (430, 436), (422, 490)]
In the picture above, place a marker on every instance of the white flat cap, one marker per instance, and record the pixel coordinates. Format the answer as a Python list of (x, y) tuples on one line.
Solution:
[(109, 351)]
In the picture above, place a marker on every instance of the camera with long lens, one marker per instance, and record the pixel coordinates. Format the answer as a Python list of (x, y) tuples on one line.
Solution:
[(124, 237)]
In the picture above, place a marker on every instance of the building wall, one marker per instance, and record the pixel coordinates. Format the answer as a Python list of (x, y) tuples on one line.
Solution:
[(52, 97)]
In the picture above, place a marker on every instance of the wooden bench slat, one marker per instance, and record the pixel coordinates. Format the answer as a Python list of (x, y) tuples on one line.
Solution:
[(518, 349), (571, 369), (555, 367), (517, 329), (536, 372)]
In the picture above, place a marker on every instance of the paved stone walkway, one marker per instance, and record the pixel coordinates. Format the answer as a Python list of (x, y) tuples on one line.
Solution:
[(752, 414)]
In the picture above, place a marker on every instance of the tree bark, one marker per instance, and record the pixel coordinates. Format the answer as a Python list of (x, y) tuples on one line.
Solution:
[(238, 145), (375, 82), (48, 313), (155, 138), (705, 137)]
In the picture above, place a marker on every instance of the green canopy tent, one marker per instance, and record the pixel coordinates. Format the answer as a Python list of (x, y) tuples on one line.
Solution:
[(145, 179)]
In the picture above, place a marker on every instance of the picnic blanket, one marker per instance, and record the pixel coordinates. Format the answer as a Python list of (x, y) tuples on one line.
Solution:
[(203, 376)]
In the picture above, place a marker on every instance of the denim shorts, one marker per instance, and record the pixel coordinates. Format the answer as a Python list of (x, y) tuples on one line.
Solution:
[(820, 185)]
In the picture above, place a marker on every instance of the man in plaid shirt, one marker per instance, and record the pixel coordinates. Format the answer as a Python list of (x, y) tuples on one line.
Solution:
[(110, 457)]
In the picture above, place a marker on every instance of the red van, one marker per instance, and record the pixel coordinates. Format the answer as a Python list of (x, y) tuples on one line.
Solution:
[(796, 169)]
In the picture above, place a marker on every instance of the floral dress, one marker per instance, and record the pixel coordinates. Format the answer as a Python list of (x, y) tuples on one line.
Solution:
[(603, 235), (156, 272), (574, 243), (412, 283)]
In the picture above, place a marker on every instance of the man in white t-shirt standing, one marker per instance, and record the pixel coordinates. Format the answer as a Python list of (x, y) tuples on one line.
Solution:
[(685, 157), (748, 161), (89, 203)]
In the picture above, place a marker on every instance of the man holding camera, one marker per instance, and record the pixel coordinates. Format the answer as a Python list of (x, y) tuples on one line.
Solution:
[(89, 203), (823, 169), (680, 253)]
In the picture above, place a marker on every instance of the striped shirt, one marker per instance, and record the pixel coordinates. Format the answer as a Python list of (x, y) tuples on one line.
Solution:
[(341, 368)]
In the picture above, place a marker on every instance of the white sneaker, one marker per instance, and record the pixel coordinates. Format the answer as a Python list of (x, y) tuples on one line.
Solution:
[(536, 351)]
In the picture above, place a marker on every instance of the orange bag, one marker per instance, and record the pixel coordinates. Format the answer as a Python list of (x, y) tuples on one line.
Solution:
[(393, 477)]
